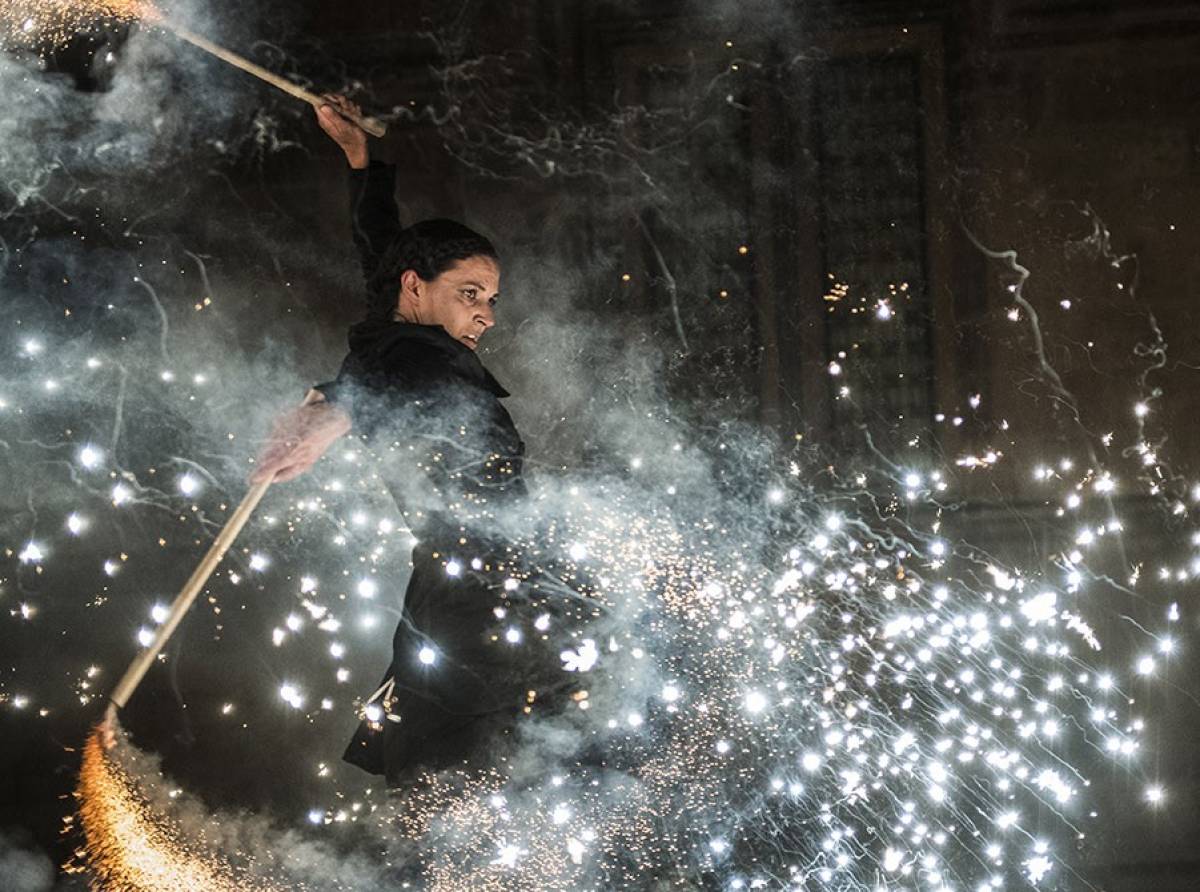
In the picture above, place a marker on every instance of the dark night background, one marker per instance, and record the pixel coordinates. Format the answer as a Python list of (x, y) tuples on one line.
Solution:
[(681, 192)]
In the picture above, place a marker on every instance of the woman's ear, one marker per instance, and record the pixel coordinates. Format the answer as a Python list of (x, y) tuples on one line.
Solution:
[(411, 283)]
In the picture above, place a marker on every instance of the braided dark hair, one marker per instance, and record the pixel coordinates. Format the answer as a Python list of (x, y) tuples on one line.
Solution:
[(428, 248)]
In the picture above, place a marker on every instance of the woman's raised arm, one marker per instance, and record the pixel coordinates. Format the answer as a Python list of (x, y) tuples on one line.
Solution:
[(372, 184)]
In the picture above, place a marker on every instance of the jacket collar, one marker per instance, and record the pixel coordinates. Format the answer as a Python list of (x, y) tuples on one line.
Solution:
[(380, 335)]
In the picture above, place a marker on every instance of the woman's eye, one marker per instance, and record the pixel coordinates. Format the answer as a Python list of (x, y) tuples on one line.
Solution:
[(470, 294)]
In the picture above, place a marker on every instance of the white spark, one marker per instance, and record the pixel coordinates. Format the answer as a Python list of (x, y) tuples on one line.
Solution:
[(508, 855), (1040, 608), (755, 702), (583, 658), (1037, 867), (576, 850), (31, 554)]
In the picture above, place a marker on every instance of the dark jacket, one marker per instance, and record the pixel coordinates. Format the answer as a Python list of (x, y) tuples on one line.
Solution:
[(422, 399), (451, 456), (449, 451)]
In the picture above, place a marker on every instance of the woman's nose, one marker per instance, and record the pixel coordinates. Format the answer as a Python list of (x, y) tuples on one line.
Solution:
[(486, 315)]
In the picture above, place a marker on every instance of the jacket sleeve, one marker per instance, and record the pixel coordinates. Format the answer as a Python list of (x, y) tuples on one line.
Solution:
[(341, 390), (375, 217), (374, 224)]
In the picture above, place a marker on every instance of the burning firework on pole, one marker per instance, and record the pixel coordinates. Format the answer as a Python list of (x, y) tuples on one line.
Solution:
[(55, 21), (125, 845)]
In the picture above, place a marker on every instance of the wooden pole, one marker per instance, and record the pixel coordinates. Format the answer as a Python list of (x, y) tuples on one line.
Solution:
[(373, 126), (145, 659)]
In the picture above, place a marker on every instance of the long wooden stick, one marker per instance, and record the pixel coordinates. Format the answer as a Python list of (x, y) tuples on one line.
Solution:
[(145, 659), (373, 126)]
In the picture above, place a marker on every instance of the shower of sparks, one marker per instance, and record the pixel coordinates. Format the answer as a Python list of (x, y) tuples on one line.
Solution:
[(132, 845), (863, 709), (55, 22), (871, 709)]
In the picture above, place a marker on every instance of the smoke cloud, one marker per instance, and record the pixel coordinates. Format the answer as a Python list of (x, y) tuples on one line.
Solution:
[(24, 868)]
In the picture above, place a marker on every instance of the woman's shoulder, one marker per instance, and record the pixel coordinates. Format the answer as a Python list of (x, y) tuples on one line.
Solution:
[(420, 357)]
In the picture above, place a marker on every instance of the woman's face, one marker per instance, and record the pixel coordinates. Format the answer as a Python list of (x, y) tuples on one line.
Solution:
[(461, 300)]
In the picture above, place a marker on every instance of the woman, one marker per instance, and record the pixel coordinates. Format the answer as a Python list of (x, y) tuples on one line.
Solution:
[(468, 657)]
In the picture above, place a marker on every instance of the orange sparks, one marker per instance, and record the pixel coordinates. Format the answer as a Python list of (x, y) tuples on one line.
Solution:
[(131, 845), (53, 22)]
